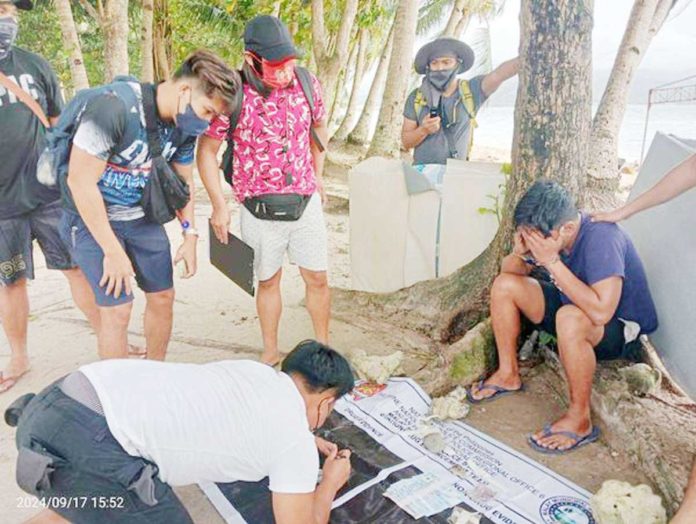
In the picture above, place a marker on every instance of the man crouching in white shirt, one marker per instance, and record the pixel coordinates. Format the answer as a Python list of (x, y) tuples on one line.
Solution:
[(114, 436)]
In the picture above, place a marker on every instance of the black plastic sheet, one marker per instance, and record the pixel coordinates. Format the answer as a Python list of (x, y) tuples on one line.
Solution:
[(253, 499)]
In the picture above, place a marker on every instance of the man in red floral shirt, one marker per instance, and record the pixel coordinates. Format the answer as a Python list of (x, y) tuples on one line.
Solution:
[(277, 176)]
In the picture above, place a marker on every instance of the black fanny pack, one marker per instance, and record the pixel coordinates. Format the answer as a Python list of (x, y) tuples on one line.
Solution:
[(284, 207)]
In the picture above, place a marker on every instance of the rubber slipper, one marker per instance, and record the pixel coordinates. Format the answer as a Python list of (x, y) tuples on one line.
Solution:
[(8, 383), (498, 392), (276, 364), (578, 441), (136, 351)]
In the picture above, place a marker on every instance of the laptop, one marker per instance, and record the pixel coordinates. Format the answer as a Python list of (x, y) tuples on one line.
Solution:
[(235, 260)]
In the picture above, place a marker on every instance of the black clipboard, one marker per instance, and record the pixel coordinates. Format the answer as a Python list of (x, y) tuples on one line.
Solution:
[(235, 260)]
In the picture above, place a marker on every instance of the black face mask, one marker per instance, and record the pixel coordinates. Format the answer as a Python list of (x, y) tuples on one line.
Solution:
[(441, 79)]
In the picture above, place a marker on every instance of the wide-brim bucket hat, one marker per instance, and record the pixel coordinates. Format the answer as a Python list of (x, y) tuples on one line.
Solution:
[(444, 47)]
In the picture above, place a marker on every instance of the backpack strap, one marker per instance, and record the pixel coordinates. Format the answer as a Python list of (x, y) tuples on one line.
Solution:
[(305, 79), (154, 142), (150, 109), (467, 98), (227, 164), (468, 101), (234, 118), (470, 107), (26, 99), (419, 103)]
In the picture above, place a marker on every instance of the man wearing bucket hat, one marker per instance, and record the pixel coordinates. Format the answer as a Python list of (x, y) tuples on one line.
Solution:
[(30, 101), (439, 116), (274, 162)]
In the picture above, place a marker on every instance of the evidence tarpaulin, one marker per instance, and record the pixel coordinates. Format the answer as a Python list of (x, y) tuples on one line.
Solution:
[(380, 426), (250, 502)]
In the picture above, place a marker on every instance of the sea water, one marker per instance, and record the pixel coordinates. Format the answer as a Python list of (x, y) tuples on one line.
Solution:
[(496, 126)]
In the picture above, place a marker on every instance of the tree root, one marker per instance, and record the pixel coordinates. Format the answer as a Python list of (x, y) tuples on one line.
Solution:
[(460, 363), (655, 432), (443, 309)]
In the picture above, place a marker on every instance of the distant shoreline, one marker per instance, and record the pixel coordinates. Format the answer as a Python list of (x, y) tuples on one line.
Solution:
[(495, 129)]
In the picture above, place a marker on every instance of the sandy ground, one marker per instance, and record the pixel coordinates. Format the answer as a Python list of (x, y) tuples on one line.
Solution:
[(213, 320)]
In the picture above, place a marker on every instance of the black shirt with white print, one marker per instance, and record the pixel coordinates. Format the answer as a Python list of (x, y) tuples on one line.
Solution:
[(22, 134)]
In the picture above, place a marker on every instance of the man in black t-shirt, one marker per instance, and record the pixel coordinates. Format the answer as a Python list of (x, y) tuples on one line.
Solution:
[(28, 209)]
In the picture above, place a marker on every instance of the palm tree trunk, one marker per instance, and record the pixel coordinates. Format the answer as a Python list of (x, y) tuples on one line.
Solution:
[(552, 131), (71, 43), (352, 115), (386, 142), (331, 51), (115, 28), (461, 26), (647, 16), (338, 110), (458, 13), (162, 44), (362, 132), (147, 72)]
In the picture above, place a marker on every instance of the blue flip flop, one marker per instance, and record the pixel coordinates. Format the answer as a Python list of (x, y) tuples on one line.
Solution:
[(498, 392), (579, 441)]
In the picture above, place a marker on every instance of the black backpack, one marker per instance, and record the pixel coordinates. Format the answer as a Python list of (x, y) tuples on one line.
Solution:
[(56, 157), (227, 165)]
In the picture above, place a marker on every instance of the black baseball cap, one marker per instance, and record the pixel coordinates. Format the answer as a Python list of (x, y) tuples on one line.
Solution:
[(26, 5), (269, 38)]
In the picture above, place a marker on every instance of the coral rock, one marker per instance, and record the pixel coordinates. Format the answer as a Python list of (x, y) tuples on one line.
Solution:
[(376, 369), (641, 379), (619, 502), (451, 406)]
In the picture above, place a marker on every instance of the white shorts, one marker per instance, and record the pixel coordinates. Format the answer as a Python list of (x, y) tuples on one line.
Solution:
[(304, 240)]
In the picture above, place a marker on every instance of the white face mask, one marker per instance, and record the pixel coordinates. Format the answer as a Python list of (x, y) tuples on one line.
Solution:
[(8, 34)]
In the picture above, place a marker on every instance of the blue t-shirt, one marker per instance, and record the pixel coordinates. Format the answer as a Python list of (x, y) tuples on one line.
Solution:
[(602, 250), (112, 128)]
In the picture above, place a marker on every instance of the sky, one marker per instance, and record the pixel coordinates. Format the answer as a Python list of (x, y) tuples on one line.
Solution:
[(671, 55)]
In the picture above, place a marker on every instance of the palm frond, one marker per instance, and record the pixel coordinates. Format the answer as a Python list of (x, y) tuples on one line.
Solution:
[(480, 41), (431, 14)]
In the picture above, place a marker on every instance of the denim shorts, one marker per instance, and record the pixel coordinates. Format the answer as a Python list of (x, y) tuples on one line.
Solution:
[(69, 459), (145, 243), (17, 235)]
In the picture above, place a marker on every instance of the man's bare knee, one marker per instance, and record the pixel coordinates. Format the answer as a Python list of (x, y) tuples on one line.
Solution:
[(317, 280), (271, 283), (572, 324), (16, 287), (506, 285), (161, 299), (116, 315)]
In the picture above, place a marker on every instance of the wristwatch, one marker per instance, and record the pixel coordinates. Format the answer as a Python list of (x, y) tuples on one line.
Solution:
[(190, 231)]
